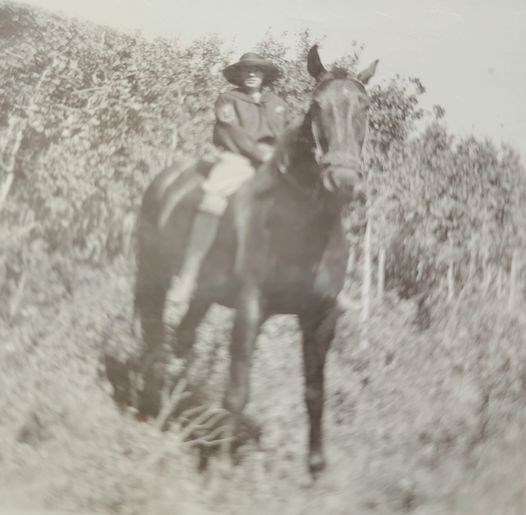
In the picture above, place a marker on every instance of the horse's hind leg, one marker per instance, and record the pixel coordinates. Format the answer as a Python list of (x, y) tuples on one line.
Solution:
[(149, 309), (149, 303), (318, 327)]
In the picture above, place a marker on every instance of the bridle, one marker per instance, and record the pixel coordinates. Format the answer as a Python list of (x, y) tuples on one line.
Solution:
[(326, 159), (323, 160), (315, 193)]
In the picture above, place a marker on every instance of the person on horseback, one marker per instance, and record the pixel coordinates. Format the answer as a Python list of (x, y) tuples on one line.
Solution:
[(249, 120)]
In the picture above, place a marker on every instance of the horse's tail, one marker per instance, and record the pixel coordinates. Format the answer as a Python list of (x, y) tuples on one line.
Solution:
[(158, 235), (149, 291)]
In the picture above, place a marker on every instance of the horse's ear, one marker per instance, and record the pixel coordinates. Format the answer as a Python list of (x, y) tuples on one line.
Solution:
[(365, 75), (314, 66)]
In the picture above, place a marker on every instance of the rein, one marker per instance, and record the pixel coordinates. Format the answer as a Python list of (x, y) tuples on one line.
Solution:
[(308, 138), (282, 167), (317, 192)]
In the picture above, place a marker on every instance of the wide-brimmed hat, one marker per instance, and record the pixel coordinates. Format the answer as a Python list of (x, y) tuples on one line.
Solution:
[(270, 71)]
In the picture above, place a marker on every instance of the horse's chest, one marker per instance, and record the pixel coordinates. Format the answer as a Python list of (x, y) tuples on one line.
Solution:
[(305, 254), (331, 270)]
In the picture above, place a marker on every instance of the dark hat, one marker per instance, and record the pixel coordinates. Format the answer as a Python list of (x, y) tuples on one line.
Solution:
[(270, 71)]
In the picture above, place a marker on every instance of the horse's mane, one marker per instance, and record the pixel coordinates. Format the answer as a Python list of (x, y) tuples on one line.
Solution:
[(338, 72)]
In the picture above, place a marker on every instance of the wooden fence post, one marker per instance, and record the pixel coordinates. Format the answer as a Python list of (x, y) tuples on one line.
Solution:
[(513, 279), (346, 293), (499, 283), (472, 264), (16, 131), (450, 282), (487, 277), (128, 229), (174, 142), (381, 274), (351, 262), (366, 284), (17, 127)]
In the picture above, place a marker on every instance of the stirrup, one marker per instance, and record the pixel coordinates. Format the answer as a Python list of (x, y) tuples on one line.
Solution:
[(204, 166)]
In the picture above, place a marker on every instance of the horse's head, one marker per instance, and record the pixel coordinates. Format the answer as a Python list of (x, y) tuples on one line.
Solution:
[(337, 122)]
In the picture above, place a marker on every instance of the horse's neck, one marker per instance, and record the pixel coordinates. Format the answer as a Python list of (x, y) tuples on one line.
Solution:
[(302, 224), (295, 168)]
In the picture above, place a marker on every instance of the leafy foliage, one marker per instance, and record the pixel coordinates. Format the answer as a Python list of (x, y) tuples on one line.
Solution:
[(452, 203), (87, 117), (100, 113)]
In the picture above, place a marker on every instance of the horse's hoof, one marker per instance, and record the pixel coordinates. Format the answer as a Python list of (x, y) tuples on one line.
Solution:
[(316, 464)]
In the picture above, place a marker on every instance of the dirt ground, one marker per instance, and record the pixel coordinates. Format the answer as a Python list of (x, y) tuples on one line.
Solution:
[(425, 422)]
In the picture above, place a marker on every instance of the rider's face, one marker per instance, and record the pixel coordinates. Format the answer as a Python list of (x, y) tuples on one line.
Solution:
[(251, 78)]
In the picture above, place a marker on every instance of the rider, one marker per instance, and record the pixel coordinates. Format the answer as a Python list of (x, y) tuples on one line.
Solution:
[(249, 120)]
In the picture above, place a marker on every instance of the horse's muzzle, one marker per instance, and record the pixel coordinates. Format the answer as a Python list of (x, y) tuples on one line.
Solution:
[(345, 182)]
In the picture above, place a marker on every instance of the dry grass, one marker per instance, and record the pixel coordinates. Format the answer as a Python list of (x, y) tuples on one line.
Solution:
[(427, 422)]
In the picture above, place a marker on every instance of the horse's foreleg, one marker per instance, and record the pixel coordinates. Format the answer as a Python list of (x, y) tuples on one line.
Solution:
[(318, 329), (186, 330), (248, 319)]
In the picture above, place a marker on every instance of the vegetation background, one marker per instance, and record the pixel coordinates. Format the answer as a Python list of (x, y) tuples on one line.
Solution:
[(427, 388)]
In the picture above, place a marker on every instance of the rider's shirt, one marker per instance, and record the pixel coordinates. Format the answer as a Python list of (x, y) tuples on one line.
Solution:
[(242, 122)]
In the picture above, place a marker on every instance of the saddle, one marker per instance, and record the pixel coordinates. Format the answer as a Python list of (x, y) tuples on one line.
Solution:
[(205, 165)]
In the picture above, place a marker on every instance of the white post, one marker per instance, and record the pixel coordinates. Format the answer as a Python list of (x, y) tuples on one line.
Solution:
[(366, 284), (472, 264), (450, 283), (351, 261), (487, 277), (499, 283), (381, 274), (17, 127), (513, 280), (10, 151), (346, 293), (174, 141)]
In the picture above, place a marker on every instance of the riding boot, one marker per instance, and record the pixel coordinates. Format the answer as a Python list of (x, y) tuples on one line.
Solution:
[(202, 237)]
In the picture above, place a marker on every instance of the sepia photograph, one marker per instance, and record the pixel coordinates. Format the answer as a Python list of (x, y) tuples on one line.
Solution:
[(260, 257)]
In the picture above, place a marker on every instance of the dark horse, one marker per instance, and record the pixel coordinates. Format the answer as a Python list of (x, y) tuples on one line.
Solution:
[(281, 248)]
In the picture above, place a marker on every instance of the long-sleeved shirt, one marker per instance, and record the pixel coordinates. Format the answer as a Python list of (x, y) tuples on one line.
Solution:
[(242, 122)]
